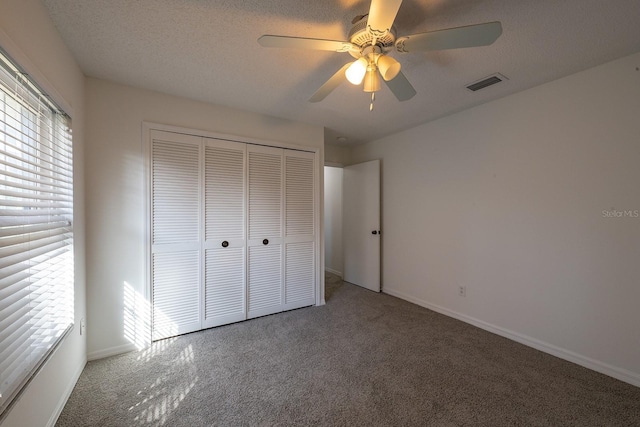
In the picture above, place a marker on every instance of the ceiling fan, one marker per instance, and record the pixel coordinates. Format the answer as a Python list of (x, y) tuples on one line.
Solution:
[(372, 37)]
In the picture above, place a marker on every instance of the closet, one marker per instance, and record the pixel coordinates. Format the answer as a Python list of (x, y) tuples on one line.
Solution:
[(232, 228)]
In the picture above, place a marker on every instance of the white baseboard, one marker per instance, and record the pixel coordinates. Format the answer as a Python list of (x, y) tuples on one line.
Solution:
[(337, 273), (112, 351), (65, 396), (621, 374)]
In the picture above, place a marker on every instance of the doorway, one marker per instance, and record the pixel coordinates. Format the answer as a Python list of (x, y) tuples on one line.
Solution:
[(333, 258), (352, 224)]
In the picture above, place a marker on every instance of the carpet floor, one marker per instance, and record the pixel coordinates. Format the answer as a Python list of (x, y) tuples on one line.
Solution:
[(363, 359)]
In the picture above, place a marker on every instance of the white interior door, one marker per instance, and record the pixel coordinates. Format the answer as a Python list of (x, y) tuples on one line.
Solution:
[(361, 224)]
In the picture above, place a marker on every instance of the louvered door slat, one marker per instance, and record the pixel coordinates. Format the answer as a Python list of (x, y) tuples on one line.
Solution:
[(224, 286), (175, 187), (300, 280), (265, 287), (224, 208), (224, 192), (175, 224), (265, 194), (299, 196), (265, 230), (176, 288)]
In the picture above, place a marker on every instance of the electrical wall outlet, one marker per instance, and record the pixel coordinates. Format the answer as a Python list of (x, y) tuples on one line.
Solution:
[(462, 291)]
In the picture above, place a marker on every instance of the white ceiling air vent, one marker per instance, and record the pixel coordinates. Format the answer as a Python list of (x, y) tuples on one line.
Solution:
[(486, 82)]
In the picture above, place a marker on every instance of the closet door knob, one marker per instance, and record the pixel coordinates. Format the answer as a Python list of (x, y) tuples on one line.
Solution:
[(265, 242), (374, 232), (225, 244)]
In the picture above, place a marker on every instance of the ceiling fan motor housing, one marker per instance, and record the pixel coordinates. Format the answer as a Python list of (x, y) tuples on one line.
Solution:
[(362, 37)]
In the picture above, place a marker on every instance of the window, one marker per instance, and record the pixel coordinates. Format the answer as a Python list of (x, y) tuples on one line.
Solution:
[(36, 234)]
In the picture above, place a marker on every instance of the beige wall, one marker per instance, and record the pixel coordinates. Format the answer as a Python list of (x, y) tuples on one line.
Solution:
[(115, 184), (336, 155), (510, 199), (333, 259), (29, 36)]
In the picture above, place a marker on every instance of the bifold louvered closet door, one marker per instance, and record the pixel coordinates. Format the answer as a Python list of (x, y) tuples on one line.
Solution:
[(299, 235), (281, 241), (233, 231), (175, 234), (265, 230), (224, 229)]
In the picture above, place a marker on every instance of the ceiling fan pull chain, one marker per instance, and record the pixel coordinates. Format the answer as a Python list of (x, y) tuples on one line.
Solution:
[(373, 98)]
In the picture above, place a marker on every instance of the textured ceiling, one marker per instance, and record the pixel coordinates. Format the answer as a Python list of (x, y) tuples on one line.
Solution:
[(207, 50)]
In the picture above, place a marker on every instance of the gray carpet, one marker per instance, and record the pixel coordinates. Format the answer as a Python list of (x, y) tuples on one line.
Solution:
[(364, 359)]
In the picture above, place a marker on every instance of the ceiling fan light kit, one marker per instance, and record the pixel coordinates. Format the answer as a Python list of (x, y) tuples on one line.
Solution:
[(389, 67), (356, 71), (372, 79), (372, 37)]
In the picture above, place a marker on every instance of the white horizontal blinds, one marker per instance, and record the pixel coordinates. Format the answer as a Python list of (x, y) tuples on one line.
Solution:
[(175, 222), (36, 235), (299, 282), (265, 230), (224, 199)]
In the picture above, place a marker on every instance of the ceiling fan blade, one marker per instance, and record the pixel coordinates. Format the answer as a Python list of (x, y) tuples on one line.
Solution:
[(330, 84), (452, 38), (304, 43), (382, 13), (401, 87)]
